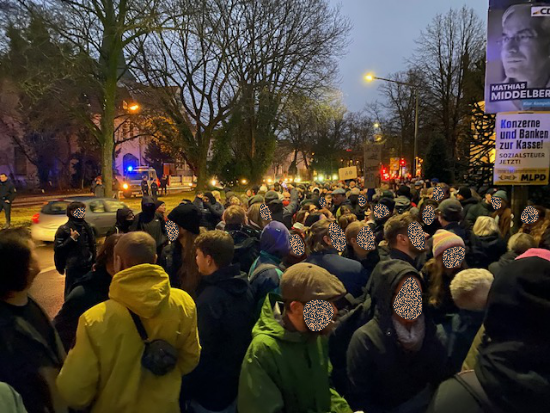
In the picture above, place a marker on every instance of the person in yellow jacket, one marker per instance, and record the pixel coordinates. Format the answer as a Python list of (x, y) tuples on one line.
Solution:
[(103, 371)]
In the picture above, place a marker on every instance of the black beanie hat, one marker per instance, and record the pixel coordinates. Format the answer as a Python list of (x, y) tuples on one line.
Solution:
[(187, 216)]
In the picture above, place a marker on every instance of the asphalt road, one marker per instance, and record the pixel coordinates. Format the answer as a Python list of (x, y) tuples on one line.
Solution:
[(48, 286)]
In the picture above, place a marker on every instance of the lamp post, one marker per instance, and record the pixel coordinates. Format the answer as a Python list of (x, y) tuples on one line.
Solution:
[(370, 78)]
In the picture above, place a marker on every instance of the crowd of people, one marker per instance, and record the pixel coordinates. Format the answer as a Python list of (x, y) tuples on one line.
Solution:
[(248, 303)]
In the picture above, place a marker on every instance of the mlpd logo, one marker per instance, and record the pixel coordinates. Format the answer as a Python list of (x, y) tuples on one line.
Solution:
[(540, 11)]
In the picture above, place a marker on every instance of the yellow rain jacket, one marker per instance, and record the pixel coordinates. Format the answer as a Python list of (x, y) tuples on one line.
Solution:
[(104, 367)]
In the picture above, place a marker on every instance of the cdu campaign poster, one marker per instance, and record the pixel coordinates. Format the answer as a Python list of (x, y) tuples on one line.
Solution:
[(518, 56)]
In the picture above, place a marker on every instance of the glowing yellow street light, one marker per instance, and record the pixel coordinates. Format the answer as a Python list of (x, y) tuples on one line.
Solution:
[(369, 77), (269, 180), (376, 125), (244, 181), (213, 182), (134, 107)]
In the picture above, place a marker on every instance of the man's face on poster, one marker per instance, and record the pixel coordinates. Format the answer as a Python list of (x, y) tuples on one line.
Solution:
[(525, 48)]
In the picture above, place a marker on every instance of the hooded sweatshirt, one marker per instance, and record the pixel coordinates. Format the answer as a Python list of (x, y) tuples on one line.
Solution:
[(149, 222), (104, 368), (512, 367), (225, 307), (122, 225), (383, 374), (285, 371)]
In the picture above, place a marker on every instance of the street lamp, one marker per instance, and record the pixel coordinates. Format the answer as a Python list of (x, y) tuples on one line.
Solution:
[(370, 77)]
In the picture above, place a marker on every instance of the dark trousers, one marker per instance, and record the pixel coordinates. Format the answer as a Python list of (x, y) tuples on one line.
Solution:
[(72, 275), (6, 207)]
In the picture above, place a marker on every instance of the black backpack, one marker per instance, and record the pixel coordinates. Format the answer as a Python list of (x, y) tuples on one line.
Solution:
[(247, 249)]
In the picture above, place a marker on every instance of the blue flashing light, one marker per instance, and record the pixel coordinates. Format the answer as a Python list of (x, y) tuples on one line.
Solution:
[(130, 168)]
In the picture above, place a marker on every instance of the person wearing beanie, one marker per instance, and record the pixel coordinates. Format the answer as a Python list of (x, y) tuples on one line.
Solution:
[(124, 220), (265, 273), (438, 278), (74, 246), (512, 373), (286, 367), (150, 222), (178, 258), (279, 212), (503, 216), (161, 209)]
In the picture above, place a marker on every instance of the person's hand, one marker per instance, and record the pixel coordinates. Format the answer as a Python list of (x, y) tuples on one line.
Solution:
[(74, 234), (7, 201)]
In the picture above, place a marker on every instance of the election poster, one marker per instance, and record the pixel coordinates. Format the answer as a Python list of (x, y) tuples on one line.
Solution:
[(522, 149), (372, 158), (347, 173), (517, 75)]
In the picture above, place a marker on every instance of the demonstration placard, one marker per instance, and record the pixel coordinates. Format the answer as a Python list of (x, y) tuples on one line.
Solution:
[(372, 157), (347, 173), (522, 149)]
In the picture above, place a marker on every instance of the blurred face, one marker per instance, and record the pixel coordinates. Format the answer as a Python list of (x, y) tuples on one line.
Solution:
[(296, 316), (397, 290), (3, 177), (488, 198), (338, 199), (161, 209), (525, 49)]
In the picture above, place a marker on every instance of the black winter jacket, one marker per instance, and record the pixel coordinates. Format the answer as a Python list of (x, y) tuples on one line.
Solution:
[(7, 191), (68, 253), (503, 262), (225, 316), (87, 292), (485, 250), (382, 374), (30, 362)]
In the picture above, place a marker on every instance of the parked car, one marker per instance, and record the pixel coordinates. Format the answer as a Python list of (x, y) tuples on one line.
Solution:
[(100, 214)]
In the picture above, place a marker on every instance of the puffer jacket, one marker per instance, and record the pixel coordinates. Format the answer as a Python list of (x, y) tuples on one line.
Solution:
[(104, 369)]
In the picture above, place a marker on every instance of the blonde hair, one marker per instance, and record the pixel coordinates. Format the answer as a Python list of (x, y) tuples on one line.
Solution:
[(315, 236), (217, 195), (254, 216), (485, 226), (521, 242), (234, 215), (353, 230), (470, 288)]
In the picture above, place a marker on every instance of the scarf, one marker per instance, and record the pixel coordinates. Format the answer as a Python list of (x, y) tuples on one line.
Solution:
[(411, 340)]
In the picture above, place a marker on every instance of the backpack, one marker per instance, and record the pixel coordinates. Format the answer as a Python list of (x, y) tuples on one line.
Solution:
[(470, 382), (247, 249)]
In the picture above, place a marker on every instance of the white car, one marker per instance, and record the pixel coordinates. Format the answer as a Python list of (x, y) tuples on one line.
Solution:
[(100, 214)]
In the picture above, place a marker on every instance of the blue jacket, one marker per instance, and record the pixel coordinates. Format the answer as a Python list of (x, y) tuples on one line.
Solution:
[(352, 274)]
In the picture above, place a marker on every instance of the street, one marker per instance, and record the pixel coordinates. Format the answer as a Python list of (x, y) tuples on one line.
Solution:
[(47, 288)]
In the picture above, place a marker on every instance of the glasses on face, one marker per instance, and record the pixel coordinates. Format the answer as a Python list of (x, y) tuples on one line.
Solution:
[(521, 38)]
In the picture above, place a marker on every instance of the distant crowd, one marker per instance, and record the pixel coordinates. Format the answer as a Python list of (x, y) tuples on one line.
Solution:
[(421, 297)]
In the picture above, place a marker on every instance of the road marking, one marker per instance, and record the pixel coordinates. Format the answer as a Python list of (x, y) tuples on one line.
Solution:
[(48, 269)]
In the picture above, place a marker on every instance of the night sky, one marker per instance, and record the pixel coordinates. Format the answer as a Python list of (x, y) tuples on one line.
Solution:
[(383, 38)]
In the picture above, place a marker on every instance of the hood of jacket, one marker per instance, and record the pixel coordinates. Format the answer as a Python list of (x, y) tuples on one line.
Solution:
[(402, 204), (493, 241), (513, 365), (469, 201), (142, 289), (388, 274), (231, 279), (270, 322)]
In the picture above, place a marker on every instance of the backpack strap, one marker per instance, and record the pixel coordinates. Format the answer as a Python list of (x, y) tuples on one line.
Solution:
[(262, 268), (470, 382), (139, 325)]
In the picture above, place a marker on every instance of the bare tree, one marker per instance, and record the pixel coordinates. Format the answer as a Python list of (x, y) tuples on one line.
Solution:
[(285, 48), (189, 70), (445, 51), (102, 29)]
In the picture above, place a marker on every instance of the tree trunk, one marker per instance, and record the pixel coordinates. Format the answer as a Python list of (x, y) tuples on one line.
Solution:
[(201, 174)]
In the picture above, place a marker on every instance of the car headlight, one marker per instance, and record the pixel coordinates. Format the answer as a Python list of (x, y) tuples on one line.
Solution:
[(125, 186)]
